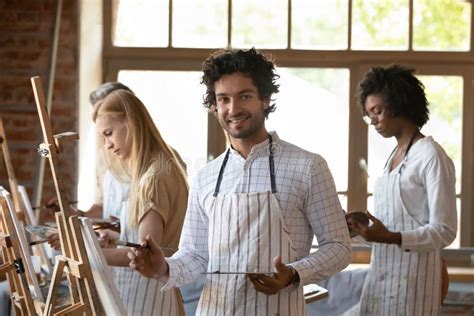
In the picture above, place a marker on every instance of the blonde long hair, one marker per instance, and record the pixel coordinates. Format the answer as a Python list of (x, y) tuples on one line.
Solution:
[(147, 149)]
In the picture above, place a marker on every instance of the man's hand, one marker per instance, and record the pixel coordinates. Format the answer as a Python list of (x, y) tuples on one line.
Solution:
[(272, 284), (377, 232), (149, 260)]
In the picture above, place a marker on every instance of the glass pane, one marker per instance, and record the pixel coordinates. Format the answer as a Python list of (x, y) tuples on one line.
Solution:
[(445, 94), (441, 25), (370, 204), (319, 24), (380, 25), (263, 24), (141, 23), (313, 113), (199, 23), (378, 152), (174, 111), (457, 241), (343, 200)]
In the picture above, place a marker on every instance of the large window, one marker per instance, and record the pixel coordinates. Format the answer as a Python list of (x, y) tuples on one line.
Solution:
[(313, 113), (173, 99), (322, 49)]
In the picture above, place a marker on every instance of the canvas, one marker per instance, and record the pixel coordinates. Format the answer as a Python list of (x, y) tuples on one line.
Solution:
[(45, 252), (101, 272), (25, 248)]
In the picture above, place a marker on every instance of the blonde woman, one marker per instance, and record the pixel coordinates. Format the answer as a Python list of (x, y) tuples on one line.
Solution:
[(136, 153)]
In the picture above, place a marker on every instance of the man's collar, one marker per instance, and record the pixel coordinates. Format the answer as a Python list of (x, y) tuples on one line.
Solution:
[(259, 148)]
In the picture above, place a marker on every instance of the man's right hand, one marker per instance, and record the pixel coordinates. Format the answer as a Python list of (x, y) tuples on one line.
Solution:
[(149, 260)]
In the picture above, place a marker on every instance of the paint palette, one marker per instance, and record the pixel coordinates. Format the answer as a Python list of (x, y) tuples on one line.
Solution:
[(41, 231)]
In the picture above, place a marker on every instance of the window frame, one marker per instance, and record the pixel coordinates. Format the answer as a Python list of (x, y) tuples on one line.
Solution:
[(357, 62)]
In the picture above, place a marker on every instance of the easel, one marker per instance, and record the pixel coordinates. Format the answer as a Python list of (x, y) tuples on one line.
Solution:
[(17, 265), (18, 200), (11, 175), (74, 261)]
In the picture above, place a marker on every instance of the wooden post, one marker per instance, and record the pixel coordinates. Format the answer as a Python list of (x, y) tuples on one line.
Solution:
[(74, 261)]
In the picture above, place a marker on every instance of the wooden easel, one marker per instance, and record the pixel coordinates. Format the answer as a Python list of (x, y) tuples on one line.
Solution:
[(17, 266), (74, 261), (20, 206), (11, 175)]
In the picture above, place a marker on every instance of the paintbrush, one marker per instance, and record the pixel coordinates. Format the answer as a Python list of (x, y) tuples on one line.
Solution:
[(50, 206), (135, 245)]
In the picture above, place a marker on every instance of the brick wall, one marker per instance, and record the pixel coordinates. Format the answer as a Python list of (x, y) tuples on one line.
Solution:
[(26, 39)]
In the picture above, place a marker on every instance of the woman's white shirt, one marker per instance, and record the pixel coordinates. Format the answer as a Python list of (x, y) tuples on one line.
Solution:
[(427, 188), (116, 193)]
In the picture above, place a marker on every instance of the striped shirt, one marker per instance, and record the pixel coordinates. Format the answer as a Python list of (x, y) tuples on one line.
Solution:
[(307, 197)]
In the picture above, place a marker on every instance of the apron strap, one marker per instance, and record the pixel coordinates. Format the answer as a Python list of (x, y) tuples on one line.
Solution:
[(270, 161), (272, 165), (221, 173), (412, 139)]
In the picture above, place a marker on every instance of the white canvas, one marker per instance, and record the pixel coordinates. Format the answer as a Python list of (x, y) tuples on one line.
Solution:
[(45, 252), (27, 204), (25, 247), (102, 274)]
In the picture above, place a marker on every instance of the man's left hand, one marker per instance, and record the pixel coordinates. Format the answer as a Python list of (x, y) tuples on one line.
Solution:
[(272, 284)]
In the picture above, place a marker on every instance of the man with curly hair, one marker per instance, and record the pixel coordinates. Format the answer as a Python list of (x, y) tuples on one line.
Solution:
[(253, 211)]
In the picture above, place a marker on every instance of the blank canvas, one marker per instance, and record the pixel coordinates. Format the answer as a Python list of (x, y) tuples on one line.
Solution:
[(101, 272)]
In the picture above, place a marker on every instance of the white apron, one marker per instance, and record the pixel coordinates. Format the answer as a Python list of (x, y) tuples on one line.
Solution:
[(142, 295), (246, 231), (399, 282)]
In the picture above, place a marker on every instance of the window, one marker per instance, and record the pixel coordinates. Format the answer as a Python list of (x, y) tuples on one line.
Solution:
[(191, 30), (322, 49), (312, 100), (319, 24), (141, 23), (173, 100), (442, 25), (380, 25)]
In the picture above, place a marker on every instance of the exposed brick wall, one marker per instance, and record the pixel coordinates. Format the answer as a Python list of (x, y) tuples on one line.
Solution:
[(26, 39)]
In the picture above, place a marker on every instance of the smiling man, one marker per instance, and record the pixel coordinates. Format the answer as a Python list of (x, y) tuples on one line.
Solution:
[(254, 210)]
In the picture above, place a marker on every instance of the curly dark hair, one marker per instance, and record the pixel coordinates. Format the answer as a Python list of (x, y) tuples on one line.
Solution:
[(259, 67), (402, 93)]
